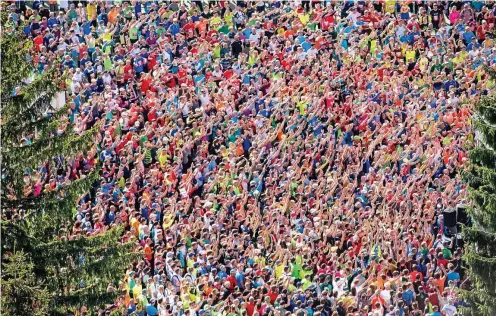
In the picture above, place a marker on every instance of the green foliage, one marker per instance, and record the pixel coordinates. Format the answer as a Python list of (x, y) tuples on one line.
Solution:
[(486, 109), (481, 237), (44, 271), (20, 294)]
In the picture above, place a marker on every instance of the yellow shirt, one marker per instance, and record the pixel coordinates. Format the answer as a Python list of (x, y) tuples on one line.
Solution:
[(215, 20), (373, 46), (390, 6), (302, 106), (228, 19), (304, 18), (410, 55), (107, 37), (279, 269), (91, 9), (162, 158), (423, 63), (168, 221)]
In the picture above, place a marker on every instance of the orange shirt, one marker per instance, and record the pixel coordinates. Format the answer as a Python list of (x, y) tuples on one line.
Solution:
[(378, 299), (380, 284), (207, 290), (440, 284), (318, 42), (113, 14), (239, 150), (288, 33), (201, 26), (148, 252)]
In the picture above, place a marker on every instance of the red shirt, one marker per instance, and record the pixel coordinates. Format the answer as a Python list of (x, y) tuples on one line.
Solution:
[(378, 299), (152, 61), (442, 261), (434, 299), (413, 275), (189, 29), (250, 309), (128, 72), (181, 76), (268, 25), (38, 41), (232, 282), (273, 297), (82, 49), (326, 22), (169, 81), (145, 83), (481, 31), (152, 115)]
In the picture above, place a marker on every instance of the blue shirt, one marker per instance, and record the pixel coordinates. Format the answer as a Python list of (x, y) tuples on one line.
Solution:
[(240, 280), (453, 276), (174, 29), (222, 274), (407, 297), (450, 83), (103, 18), (306, 46), (467, 36), (51, 22)]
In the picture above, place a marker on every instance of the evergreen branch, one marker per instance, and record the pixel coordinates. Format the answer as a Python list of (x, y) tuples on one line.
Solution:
[(14, 67), (483, 267), (486, 109), (14, 128), (107, 268), (37, 153), (55, 198), (30, 223), (488, 132), (483, 174), (485, 242), (481, 302), (15, 236), (483, 156), (480, 249), (93, 295), (57, 247), (26, 103)]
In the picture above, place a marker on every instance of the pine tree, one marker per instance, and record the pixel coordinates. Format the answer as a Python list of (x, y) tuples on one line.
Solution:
[(19, 294), (481, 236), (63, 273)]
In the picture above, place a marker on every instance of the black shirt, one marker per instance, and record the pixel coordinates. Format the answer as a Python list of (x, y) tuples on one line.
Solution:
[(236, 48)]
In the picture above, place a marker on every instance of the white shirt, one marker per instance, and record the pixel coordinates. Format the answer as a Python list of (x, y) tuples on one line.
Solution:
[(254, 37), (449, 309), (205, 99), (166, 56), (107, 79), (353, 16), (77, 76), (386, 296), (185, 108), (64, 4)]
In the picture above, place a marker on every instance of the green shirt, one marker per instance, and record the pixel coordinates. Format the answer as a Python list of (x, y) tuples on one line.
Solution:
[(224, 29), (107, 63), (128, 12), (446, 253), (133, 33)]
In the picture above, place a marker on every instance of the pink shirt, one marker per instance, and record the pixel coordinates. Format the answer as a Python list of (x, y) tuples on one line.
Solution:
[(454, 16)]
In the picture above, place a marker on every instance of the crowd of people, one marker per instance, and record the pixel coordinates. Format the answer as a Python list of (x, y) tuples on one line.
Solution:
[(272, 157)]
